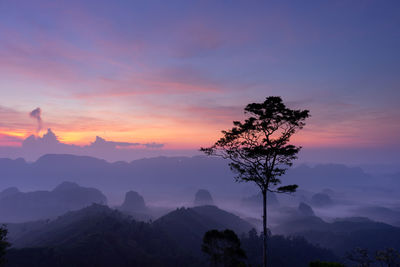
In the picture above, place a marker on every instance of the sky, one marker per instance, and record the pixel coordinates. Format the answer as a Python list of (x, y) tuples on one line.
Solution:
[(176, 73)]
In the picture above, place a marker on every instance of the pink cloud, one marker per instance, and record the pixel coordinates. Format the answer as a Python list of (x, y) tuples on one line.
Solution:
[(10, 140), (60, 63)]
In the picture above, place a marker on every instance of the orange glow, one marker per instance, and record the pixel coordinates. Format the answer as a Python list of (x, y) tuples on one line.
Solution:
[(20, 134), (177, 132), (11, 138)]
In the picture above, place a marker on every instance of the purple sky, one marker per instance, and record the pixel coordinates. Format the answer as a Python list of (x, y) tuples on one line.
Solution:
[(176, 73)]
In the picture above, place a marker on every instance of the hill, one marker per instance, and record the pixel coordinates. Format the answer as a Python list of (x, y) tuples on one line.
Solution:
[(343, 234), (96, 236), (16, 206), (183, 175), (100, 236), (188, 225)]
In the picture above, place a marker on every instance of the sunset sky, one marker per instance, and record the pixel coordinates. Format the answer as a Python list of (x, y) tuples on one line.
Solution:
[(178, 72)]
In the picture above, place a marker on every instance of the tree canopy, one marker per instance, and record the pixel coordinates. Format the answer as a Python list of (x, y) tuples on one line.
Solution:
[(259, 148), (3, 244), (223, 247)]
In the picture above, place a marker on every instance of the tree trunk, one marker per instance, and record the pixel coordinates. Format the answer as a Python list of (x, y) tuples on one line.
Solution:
[(264, 193)]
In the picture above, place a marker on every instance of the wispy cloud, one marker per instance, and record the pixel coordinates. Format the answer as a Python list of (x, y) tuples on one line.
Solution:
[(37, 115)]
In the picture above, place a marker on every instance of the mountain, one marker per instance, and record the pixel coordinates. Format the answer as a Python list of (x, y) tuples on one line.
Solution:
[(8, 192), (305, 210), (172, 175), (19, 206), (284, 251), (133, 203), (226, 219), (135, 206), (100, 236), (96, 236), (257, 200), (188, 225), (343, 234), (334, 176), (203, 197), (321, 200), (379, 213), (342, 237), (193, 221)]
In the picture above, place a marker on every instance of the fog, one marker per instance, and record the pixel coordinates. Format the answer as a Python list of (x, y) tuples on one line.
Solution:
[(331, 190), (60, 199)]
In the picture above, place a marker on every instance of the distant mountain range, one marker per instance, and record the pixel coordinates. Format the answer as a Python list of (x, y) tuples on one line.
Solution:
[(341, 235), (158, 176), (16, 206), (164, 177)]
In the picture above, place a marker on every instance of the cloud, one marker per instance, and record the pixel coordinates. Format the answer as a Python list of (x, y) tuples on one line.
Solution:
[(34, 147), (9, 140), (37, 114), (153, 145), (12, 120), (101, 143), (50, 140)]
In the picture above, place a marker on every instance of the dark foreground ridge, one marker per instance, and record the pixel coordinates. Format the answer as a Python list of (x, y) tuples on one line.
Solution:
[(100, 236)]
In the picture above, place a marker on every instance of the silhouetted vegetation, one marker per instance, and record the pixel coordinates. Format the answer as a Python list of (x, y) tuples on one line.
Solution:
[(343, 236), (283, 251), (187, 226), (4, 244), (223, 248), (361, 257), (259, 149), (389, 257), (325, 264), (100, 236)]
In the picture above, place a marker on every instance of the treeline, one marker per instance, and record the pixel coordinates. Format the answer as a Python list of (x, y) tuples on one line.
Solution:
[(109, 241)]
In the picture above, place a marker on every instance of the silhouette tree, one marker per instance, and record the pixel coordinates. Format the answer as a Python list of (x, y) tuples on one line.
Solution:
[(3, 244), (388, 257), (325, 264), (287, 250), (360, 256), (259, 149), (223, 247)]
